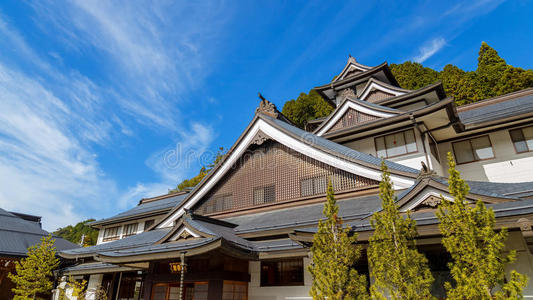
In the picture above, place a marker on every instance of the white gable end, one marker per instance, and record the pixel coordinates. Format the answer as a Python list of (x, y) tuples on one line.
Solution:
[(298, 145)]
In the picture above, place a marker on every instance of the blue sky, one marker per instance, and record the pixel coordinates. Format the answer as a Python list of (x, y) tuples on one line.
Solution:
[(96, 98)]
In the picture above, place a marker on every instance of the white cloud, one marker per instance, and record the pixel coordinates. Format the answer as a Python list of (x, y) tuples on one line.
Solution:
[(53, 116), (429, 49)]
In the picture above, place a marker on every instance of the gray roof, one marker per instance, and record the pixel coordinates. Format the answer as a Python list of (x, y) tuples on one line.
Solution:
[(495, 189), (277, 245), (334, 148), (141, 239), (159, 206), (217, 230), (349, 209), (497, 110), (17, 235)]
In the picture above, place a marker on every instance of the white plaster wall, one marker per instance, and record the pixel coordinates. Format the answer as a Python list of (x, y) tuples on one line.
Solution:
[(412, 160), (507, 166), (257, 292), (140, 227)]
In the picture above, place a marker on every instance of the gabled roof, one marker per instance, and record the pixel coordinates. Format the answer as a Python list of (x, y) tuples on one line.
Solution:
[(437, 186), (146, 207), (18, 234), (400, 99), (374, 84), (372, 127), (311, 145), (328, 91), (358, 105), (351, 65)]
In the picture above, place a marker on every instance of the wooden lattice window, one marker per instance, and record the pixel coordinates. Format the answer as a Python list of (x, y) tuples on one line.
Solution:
[(265, 194), (111, 234), (283, 272), (313, 186), (288, 175), (129, 229)]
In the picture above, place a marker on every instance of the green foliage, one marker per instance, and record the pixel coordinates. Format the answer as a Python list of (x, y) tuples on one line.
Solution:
[(33, 273), (306, 107), (411, 75), (192, 182), (477, 250), (334, 255), (398, 269), (75, 233), (493, 77), (78, 289)]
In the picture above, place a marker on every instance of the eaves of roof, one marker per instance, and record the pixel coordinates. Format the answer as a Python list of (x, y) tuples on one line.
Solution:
[(375, 124)]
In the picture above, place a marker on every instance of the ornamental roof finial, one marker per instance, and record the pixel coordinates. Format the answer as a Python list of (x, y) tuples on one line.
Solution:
[(267, 107)]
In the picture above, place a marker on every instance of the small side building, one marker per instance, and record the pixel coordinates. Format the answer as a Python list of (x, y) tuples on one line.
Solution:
[(18, 232)]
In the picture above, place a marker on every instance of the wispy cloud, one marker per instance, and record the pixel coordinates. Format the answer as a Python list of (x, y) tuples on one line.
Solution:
[(429, 49), (54, 115)]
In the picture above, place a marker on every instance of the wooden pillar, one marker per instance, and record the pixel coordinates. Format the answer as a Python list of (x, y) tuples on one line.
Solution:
[(214, 290), (148, 281)]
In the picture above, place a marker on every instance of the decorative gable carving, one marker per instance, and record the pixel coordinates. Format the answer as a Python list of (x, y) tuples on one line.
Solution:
[(260, 138), (348, 93), (183, 233), (431, 201)]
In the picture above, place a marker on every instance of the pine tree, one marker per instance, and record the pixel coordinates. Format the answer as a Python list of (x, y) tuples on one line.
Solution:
[(478, 262), (398, 269), (334, 254), (33, 273)]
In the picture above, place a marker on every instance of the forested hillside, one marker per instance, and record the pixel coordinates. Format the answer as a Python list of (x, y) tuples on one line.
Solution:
[(74, 233), (492, 77)]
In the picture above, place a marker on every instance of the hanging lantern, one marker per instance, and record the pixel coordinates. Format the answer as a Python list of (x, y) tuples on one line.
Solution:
[(176, 267)]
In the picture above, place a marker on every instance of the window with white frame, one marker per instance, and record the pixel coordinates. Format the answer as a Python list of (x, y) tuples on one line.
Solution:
[(129, 229), (474, 149), (111, 234), (522, 139), (396, 144)]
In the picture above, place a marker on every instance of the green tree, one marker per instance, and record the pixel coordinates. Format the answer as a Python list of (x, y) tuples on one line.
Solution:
[(493, 77), (78, 289), (192, 182), (33, 273), (412, 75), (306, 107), (334, 254), (76, 232), (477, 250), (398, 269)]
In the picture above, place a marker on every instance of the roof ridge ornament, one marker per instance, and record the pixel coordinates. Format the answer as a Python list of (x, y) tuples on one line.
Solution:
[(348, 93), (425, 172), (267, 107)]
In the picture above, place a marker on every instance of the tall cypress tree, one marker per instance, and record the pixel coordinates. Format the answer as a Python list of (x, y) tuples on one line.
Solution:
[(398, 269), (334, 254), (478, 261)]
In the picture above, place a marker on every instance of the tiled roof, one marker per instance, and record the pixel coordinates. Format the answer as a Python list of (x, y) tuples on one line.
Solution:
[(17, 234), (141, 239), (493, 110), (144, 208), (353, 208), (334, 148)]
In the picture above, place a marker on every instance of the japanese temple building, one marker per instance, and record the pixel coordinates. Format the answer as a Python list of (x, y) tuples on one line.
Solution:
[(245, 230)]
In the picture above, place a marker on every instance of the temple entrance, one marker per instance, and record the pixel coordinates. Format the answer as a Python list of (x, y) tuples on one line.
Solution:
[(209, 276), (232, 290), (171, 291)]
